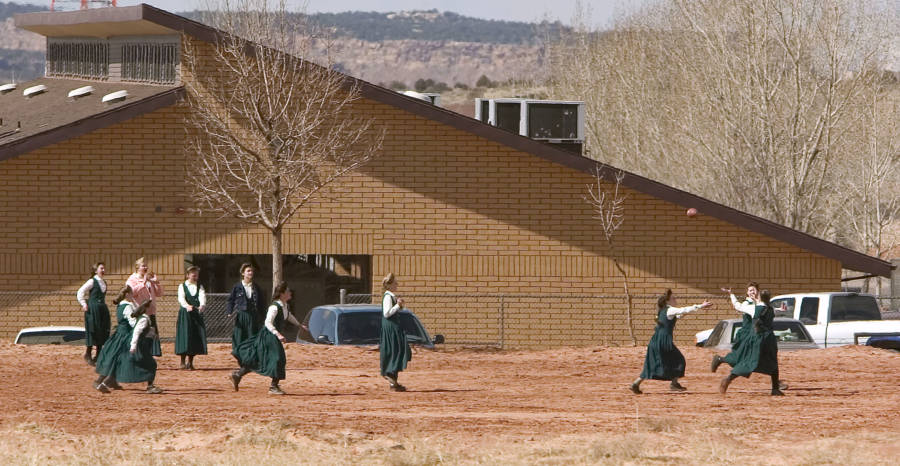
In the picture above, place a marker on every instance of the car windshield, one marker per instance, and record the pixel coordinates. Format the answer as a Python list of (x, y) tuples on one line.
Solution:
[(361, 328), (784, 307), (56, 337), (790, 331), (854, 307)]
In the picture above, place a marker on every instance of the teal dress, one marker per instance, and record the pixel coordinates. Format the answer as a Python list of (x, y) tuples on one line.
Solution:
[(395, 351), (663, 361), (759, 351), (246, 326), (96, 318), (121, 339), (190, 330), (263, 352), (139, 366), (742, 333)]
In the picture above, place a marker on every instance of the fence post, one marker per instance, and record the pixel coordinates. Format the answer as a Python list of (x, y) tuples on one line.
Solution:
[(343, 296), (894, 303), (502, 320)]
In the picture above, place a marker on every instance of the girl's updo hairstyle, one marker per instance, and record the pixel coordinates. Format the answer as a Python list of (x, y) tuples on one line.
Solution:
[(388, 280), (765, 296), (121, 297), (95, 267), (663, 300)]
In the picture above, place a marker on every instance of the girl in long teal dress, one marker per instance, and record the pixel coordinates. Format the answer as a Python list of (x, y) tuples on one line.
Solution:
[(759, 352), (92, 297), (663, 360), (263, 353), (394, 348), (743, 332), (128, 357), (116, 345), (190, 331)]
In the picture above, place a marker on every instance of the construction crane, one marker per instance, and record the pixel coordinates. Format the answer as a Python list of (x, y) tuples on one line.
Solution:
[(85, 4)]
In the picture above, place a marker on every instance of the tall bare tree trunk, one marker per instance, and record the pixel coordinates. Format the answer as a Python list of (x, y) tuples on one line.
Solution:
[(628, 301), (277, 273)]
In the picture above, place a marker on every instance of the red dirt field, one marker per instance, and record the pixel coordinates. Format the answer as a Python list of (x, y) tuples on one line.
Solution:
[(459, 392)]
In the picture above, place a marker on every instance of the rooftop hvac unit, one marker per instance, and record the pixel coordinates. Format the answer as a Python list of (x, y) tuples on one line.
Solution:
[(556, 122)]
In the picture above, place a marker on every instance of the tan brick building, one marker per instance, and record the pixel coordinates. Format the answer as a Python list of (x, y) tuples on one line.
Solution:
[(488, 232)]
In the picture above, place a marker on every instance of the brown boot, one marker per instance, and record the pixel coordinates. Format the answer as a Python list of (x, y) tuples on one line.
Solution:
[(716, 361)]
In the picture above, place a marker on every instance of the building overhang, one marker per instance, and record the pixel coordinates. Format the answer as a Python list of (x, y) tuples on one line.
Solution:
[(98, 22)]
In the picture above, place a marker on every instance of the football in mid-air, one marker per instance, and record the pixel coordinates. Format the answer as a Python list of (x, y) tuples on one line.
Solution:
[(691, 212)]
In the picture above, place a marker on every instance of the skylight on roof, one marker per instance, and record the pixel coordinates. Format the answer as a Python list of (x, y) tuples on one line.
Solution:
[(34, 90), (113, 97), (81, 92)]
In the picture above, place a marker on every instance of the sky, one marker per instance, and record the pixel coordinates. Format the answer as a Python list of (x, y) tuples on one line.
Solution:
[(511, 10)]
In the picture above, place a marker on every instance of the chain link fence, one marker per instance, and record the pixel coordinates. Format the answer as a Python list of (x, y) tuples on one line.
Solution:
[(474, 319)]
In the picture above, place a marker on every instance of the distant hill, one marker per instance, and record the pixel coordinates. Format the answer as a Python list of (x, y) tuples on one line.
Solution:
[(432, 25), (378, 47)]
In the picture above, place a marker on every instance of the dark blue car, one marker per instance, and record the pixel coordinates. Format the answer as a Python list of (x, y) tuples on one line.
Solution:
[(358, 324)]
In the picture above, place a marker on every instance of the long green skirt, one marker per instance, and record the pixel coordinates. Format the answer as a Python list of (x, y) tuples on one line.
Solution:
[(190, 333), (739, 338), (663, 360), (137, 367), (758, 353), (96, 323), (244, 328), (395, 351), (114, 348), (155, 344), (264, 354)]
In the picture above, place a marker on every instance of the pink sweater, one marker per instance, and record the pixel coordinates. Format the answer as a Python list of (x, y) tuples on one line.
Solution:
[(145, 289)]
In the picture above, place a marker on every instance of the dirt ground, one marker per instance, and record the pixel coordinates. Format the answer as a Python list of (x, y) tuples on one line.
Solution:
[(460, 393)]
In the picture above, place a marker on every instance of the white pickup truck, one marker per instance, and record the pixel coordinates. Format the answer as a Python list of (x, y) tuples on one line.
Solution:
[(835, 319)]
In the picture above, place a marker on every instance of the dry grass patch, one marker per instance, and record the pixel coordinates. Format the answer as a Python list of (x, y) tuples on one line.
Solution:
[(663, 441)]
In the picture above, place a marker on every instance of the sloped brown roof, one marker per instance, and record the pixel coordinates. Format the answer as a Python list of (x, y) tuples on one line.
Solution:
[(52, 116), (70, 23)]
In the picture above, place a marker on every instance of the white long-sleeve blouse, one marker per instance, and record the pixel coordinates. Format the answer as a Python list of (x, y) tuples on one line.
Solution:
[(85, 290), (192, 289), (272, 312), (747, 307), (388, 308)]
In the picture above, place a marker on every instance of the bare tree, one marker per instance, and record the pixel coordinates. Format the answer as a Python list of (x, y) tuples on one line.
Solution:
[(747, 102), (269, 129), (609, 209), (871, 205)]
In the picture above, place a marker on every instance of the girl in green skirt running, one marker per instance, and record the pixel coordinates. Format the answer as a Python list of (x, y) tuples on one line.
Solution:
[(128, 357), (395, 351), (663, 360), (263, 353), (759, 351)]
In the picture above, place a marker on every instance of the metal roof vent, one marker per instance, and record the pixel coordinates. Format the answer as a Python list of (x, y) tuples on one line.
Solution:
[(34, 90), (114, 97), (431, 97), (81, 92), (7, 88)]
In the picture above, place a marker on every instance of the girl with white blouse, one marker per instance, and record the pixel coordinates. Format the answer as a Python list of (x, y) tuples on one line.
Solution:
[(190, 329), (92, 298), (263, 353)]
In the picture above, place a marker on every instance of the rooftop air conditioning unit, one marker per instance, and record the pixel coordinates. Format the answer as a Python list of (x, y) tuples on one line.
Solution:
[(556, 122)]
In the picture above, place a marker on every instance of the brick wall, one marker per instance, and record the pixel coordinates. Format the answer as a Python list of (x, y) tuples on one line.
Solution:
[(445, 210)]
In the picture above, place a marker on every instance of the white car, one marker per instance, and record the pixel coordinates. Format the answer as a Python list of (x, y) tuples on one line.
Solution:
[(51, 336)]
